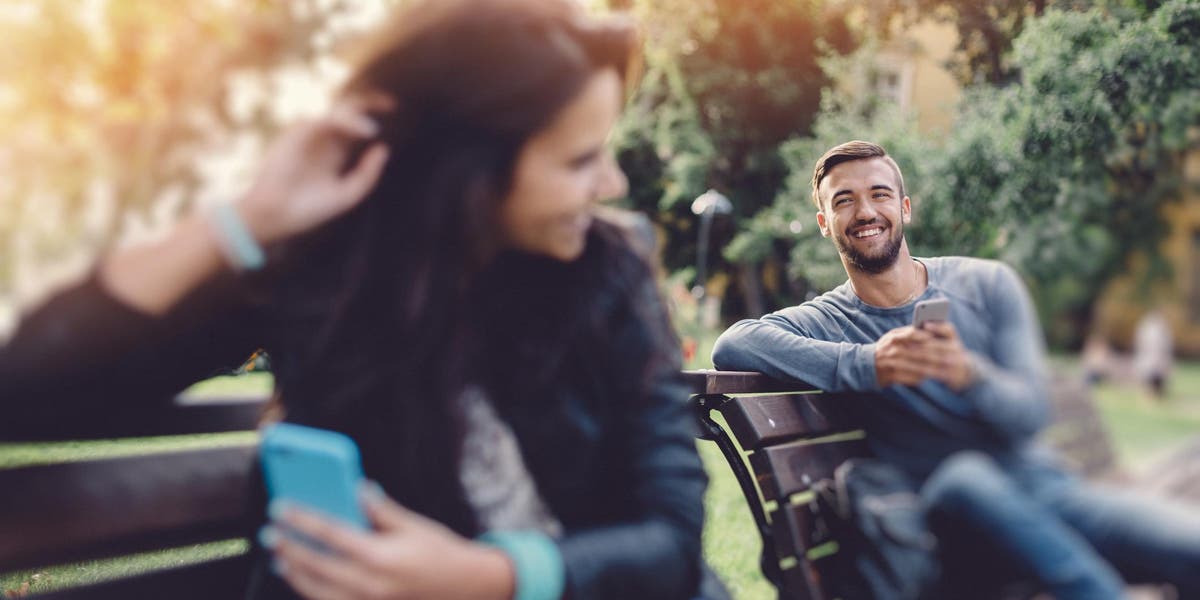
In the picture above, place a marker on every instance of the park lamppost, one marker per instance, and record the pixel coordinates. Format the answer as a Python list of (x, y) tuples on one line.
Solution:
[(705, 206)]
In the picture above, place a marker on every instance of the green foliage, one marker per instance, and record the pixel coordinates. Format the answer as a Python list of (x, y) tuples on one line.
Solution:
[(1063, 173), (115, 100), (1094, 158), (726, 82)]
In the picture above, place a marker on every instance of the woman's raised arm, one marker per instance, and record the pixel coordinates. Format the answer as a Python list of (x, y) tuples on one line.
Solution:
[(310, 176)]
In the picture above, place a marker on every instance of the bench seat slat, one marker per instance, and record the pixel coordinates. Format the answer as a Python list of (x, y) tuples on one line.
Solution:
[(101, 508), (791, 468), (757, 421), (221, 578)]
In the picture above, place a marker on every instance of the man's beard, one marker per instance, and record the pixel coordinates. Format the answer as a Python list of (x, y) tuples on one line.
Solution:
[(871, 264)]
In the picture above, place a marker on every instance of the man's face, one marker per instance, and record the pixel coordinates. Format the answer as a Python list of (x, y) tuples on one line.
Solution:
[(863, 212)]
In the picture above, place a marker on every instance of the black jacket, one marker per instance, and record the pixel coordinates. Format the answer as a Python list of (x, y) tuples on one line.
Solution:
[(621, 473)]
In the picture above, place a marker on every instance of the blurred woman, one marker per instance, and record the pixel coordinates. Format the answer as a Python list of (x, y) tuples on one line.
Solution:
[(437, 283)]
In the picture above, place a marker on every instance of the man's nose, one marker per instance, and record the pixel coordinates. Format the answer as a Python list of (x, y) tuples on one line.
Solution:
[(864, 210), (612, 183)]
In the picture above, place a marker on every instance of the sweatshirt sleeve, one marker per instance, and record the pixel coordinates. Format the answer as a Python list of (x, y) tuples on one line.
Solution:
[(778, 346), (82, 353), (1010, 391)]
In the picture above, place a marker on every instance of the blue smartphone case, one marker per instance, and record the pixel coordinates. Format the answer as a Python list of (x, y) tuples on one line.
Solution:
[(315, 468)]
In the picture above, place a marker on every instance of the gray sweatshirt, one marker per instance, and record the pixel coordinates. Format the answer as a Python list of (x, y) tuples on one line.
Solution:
[(829, 342)]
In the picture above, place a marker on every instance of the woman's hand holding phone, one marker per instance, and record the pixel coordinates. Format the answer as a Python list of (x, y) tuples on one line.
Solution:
[(405, 555)]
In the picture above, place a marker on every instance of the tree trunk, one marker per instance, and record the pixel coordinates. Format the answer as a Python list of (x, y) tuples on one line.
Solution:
[(751, 287)]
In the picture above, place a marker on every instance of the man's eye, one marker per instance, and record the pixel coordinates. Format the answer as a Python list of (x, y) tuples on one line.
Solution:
[(840, 201), (882, 195)]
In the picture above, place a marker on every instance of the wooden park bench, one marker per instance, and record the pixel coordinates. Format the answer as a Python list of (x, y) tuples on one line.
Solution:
[(780, 438), (95, 509), (98, 509)]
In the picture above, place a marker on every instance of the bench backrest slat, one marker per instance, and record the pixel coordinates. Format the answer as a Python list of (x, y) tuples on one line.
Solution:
[(100, 508), (792, 468), (181, 417), (757, 421)]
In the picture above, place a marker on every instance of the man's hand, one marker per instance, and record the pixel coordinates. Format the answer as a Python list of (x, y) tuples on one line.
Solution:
[(406, 556), (955, 367), (908, 356)]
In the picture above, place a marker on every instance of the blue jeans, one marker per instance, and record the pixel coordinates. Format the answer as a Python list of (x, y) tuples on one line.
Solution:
[(1079, 541)]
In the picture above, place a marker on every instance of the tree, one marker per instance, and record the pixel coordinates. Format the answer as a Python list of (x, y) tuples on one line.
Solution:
[(726, 82), (114, 102), (1091, 144), (986, 29), (1064, 173)]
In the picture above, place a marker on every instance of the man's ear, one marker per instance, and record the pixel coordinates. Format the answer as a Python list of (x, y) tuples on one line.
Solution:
[(821, 224), (906, 210)]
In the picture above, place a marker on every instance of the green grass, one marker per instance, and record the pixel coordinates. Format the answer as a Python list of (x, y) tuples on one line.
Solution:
[(1141, 430), (731, 542)]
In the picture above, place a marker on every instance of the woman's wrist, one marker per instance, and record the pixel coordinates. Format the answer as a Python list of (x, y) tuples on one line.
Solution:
[(235, 239), (491, 571), (259, 220), (536, 563)]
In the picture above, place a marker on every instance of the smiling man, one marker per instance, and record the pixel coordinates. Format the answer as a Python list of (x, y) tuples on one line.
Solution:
[(956, 404)]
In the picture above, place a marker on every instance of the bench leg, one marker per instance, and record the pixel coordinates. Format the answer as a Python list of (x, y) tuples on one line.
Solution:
[(704, 404)]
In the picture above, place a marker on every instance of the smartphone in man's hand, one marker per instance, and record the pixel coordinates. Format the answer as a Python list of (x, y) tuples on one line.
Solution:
[(935, 309)]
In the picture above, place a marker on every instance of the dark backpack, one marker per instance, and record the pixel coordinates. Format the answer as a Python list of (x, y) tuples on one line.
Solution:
[(886, 551)]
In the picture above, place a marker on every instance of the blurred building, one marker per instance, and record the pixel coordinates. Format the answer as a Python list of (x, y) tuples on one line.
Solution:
[(1124, 302), (910, 70)]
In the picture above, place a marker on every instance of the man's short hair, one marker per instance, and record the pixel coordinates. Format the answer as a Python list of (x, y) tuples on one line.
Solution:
[(849, 151)]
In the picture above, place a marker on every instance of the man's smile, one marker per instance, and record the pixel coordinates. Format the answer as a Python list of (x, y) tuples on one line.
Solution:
[(867, 231)]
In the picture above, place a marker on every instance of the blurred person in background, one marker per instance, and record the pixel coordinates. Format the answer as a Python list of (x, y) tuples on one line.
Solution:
[(430, 274), (1097, 359), (1153, 354)]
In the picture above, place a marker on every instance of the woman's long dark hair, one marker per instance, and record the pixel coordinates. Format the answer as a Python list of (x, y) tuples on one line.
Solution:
[(390, 298)]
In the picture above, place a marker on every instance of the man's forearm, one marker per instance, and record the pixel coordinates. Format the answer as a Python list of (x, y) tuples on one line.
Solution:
[(758, 345), (1013, 402)]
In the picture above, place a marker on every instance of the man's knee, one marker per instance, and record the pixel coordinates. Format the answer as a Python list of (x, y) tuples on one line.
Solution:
[(965, 479)]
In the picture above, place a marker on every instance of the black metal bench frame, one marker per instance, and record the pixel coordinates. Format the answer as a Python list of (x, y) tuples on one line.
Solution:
[(795, 435)]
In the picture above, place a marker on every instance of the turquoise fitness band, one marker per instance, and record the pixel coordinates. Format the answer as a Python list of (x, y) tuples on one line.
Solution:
[(539, 567), (239, 245)]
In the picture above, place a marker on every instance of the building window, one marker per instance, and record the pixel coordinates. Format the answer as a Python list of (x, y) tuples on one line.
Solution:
[(891, 79), (886, 82)]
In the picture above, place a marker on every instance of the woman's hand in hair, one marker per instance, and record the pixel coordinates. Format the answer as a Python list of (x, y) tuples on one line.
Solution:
[(406, 556), (316, 171)]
